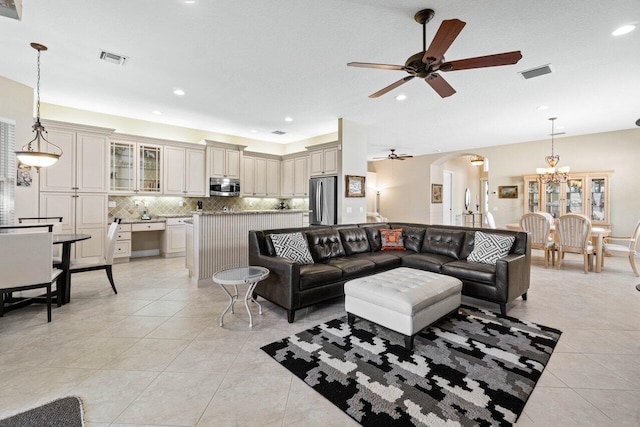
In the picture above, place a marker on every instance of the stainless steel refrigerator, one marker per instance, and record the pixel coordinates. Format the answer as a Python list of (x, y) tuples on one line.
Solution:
[(323, 200)]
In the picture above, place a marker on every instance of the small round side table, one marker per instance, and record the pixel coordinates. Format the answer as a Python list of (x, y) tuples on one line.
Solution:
[(251, 275)]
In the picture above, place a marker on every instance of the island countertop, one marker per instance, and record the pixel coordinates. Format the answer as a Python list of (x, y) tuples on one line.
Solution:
[(251, 212)]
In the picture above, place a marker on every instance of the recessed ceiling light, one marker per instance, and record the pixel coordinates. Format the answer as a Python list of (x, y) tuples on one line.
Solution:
[(178, 92), (288, 119), (189, 1), (156, 112), (542, 107), (623, 30), (254, 131), (401, 97)]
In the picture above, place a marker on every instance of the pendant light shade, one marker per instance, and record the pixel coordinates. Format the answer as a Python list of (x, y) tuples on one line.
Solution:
[(477, 160), (39, 152)]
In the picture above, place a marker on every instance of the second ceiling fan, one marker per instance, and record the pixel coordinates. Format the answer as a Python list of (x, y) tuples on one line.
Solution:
[(427, 63)]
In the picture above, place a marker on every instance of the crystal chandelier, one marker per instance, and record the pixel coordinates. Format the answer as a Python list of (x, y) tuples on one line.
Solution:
[(40, 156), (552, 174)]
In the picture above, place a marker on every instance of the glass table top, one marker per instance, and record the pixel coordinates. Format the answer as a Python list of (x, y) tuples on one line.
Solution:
[(240, 275)]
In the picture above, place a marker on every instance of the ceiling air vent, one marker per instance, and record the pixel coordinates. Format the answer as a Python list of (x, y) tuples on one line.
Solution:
[(536, 72), (11, 8), (113, 58), (278, 132)]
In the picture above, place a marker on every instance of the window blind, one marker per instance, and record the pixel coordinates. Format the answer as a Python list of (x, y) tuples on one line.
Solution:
[(7, 171)]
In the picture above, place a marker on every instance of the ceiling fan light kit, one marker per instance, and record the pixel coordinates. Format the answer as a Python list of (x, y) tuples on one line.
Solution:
[(393, 156), (427, 63)]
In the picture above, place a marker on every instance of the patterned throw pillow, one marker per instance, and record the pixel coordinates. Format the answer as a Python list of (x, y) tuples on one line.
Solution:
[(489, 248), (392, 239), (292, 246)]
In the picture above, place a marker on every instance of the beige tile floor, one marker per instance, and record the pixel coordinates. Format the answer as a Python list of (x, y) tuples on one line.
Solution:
[(155, 355)]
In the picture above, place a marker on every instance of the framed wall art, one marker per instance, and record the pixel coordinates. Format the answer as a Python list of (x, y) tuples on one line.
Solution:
[(508, 192), (436, 193), (355, 186)]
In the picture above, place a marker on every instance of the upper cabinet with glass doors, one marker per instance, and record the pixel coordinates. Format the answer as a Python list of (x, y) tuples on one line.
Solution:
[(135, 168), (583, 193)]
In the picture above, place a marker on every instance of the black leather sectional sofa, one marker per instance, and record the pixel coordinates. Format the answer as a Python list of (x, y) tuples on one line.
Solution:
[(345, 252)]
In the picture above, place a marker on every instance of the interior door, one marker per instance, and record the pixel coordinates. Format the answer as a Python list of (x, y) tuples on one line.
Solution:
[(447, 197)]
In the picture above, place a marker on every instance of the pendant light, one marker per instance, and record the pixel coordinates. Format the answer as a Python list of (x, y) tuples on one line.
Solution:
[(552, 174), (36, 152), (477, 160)]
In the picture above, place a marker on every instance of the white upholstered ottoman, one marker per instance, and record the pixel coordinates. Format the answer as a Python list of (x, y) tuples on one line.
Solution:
[(404, 299)]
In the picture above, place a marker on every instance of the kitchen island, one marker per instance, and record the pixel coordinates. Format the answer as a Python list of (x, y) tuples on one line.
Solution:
[(217, 240)]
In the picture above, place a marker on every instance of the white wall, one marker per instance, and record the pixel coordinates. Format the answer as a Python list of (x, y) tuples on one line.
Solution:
[(175, 133), (353, 139), (618, 151), (17, 104)]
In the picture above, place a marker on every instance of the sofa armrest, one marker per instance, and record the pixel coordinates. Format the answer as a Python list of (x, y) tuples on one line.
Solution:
[(281, 287), (513, 274)]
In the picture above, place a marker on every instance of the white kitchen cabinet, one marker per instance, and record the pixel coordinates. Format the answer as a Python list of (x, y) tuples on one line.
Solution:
[(174, 238), (295, 177), (260, 176), (273, 178), (223, 162), (136, 167), (184, 171), (323, 161), (84, 213), (83, 164), (254, 176), (300, 177), (75, 187), (123, 242)]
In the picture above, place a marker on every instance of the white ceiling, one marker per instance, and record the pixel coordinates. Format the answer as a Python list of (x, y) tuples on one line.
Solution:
[(245, 65)]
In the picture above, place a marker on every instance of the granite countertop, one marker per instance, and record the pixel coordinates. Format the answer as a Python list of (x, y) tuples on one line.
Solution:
[(256, 212), (163, 217)]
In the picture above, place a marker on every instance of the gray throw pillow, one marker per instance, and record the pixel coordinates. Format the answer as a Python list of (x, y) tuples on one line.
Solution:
[(292, 246), (489, 248)]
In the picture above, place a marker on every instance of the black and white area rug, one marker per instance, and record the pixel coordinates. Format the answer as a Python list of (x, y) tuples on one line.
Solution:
[(475, 368), (64, 412)]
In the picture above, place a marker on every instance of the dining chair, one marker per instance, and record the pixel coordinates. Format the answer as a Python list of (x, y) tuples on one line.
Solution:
[(490, 221), (25, 264), (627, 247), (538, 224), (100, 263), (574, 236), (56, 221)]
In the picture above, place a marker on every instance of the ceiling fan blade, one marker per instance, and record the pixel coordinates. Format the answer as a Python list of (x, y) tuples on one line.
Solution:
[(378, 66), (447, 33), (404, 156), (507, 58), (391, 87), (440, 85)]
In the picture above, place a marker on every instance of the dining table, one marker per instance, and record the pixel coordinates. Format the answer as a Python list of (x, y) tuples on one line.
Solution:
[(63, 284), (597, 239)]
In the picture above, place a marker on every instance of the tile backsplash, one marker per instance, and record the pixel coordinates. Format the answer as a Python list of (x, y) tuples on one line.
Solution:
[(159, 205)]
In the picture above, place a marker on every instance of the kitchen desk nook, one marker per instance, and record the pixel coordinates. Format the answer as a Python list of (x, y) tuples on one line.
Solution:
[(219, 240)]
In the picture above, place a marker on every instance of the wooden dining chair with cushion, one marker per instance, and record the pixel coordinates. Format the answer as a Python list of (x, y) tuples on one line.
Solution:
[(25, 264), (100, 263), (56, 221), (574, 236), (538, 224), (625, 246)]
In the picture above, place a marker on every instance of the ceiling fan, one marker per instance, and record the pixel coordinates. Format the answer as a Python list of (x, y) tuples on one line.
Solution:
[(394, 156), (425, 64)]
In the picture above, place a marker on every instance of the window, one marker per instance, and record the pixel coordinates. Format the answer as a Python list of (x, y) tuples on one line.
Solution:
[(7, 171)]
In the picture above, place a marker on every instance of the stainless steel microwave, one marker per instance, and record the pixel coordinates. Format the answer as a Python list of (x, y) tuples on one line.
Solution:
[(229, 187)]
